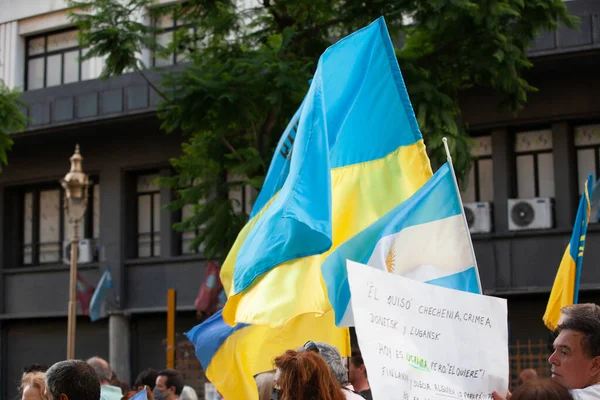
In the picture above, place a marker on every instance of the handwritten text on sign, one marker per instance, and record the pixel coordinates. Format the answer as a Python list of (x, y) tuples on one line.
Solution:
[(425, 342)]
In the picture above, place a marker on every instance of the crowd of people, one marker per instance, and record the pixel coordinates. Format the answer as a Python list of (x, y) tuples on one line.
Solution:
[(94, 379), (317, 371)]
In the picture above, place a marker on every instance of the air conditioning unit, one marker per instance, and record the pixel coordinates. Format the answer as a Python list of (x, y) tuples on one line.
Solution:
[(524, 214), (86, 251), (479, 217)]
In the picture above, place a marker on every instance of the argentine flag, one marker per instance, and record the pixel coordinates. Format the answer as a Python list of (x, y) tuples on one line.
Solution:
[(424, 238)]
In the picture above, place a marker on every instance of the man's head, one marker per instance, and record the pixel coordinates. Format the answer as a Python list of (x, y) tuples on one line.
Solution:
[(578, 310), (576, 358), (358, 372), (102, 369), (146, 378), (169, 385), (72, 380), (527, 375), (334, 359)]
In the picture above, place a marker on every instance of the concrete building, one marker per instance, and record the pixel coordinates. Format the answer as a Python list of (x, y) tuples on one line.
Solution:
[(544, 152)]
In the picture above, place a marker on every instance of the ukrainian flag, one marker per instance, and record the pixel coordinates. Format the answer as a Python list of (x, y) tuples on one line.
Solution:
[(232, 356), (352, 153), (425, 238), (565, 290)]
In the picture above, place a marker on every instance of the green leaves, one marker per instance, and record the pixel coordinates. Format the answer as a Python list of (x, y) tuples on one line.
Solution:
[(249, 68), (12, 119)]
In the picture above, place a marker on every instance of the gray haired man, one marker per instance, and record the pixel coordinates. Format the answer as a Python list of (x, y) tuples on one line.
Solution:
[(334, 359), (104, 372)]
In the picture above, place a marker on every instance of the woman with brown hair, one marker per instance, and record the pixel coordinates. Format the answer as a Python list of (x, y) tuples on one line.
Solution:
[(541, 389), (305, 376)]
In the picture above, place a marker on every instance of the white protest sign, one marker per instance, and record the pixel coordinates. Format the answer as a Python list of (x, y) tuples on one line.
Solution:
[(425, 342)]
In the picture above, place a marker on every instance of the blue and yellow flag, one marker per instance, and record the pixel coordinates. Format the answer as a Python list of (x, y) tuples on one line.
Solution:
[(352, 153), (565, 290), (232, 356)]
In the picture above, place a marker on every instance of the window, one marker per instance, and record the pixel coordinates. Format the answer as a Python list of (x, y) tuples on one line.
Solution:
[(535, 164), (188, 237), (480, 186), (46, 226), (238, 195), (170, 25), (52, 59), (587, 143), (148, 216)]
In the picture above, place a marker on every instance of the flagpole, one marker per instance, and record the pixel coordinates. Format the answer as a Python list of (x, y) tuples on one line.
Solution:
[(464, 217)]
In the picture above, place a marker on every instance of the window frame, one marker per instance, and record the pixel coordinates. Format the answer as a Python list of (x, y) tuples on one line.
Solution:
[(183, 250), (172, 30), (47, 54), (151, 233), (475, 166), (596, 148), (536, 168), (35, 190), (534, 153)]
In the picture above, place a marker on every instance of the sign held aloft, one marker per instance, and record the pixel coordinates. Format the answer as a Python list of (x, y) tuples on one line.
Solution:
[(423, 342)]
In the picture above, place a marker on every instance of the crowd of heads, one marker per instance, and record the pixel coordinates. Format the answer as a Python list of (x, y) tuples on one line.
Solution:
[(94, 379), (318, 371)]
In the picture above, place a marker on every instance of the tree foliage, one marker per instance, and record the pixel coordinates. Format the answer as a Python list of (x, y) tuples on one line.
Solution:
[(248, 70), (12, 119)]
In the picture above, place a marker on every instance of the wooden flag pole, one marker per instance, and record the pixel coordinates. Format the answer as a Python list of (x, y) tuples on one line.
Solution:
[(171, 307)]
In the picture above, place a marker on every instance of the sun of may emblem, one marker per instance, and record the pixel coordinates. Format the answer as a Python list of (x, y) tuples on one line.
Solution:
[(390, 260)]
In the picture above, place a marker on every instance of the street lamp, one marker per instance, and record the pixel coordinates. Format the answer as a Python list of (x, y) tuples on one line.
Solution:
[(76, 184)]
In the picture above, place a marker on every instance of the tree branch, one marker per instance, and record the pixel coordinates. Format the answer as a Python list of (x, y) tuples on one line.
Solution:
[(233, 150), (267, 129), (320, 27), (152, 85)]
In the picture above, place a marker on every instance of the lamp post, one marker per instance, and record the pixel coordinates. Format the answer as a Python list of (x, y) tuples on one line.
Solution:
[(76, 184)]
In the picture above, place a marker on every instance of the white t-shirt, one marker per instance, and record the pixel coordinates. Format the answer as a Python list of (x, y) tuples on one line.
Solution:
[(350, 395), (588, 393)]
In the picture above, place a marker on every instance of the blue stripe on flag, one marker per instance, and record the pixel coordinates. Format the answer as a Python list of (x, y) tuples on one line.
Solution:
[(208, 337), (466, 280)]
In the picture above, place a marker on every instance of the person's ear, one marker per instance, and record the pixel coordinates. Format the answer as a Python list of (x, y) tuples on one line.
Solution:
[(63, 397), (595, 367)]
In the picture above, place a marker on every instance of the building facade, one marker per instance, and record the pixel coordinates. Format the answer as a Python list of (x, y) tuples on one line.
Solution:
[(544, 153)]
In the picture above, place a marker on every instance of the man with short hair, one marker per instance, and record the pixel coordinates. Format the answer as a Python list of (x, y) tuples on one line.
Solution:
[(576, 358), (104, 372), (169, 385), (72, 380), (358, 375), (334, 359), (578, 310)]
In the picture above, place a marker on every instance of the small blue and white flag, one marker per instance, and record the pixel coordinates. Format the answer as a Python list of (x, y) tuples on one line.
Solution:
[(98, 302), (425, 238), (141, 395)]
